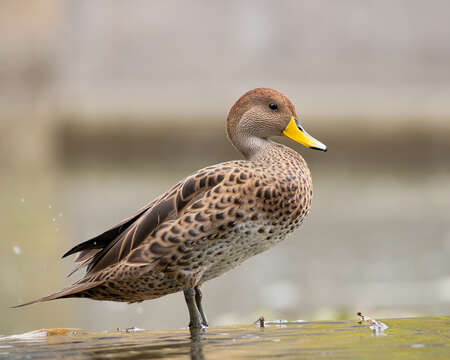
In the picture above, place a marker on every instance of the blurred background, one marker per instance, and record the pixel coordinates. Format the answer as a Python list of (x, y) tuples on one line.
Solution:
[(105, 105)]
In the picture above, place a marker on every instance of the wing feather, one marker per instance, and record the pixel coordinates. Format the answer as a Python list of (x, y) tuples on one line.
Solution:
[(115, 244), (102, 240)]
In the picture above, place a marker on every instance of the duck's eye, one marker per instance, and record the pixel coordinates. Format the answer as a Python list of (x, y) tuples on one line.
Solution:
[(273, 106)]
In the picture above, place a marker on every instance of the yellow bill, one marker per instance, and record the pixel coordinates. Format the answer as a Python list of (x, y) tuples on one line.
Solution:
[(295, 131)]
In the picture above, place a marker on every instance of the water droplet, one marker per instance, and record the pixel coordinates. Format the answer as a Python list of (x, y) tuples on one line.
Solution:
[(53, 219), (50, 206), (22, 200), (17, 250)]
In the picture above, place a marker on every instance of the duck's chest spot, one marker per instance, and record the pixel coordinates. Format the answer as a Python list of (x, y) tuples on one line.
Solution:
[(284, 201)]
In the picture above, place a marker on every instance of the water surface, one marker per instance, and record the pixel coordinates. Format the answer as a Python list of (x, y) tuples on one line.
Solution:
[(415, 338)]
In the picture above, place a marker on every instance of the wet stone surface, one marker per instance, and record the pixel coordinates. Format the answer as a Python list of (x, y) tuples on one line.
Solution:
[(417, 338)]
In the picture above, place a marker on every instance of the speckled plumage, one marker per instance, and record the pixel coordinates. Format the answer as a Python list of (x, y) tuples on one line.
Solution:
[(238, 209), (208, 223)]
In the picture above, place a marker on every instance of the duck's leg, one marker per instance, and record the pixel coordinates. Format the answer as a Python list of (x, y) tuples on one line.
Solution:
[(195, 319), (198, 301)]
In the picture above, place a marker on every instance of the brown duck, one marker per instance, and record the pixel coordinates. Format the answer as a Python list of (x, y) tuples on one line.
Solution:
[(211, 221)]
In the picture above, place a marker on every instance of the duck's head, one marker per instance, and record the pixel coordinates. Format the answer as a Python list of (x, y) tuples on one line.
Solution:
[(263, 113)]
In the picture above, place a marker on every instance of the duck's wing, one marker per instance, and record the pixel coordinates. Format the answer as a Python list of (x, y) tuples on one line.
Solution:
[(112, 246), (88, 249)]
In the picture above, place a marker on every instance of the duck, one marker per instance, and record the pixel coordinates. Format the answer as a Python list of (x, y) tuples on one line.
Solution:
[(211, 221)]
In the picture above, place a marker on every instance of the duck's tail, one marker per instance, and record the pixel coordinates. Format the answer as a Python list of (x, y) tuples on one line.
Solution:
[(76, 290)]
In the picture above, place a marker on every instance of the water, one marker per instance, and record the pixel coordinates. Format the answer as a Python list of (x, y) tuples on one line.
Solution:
[(414, 338)]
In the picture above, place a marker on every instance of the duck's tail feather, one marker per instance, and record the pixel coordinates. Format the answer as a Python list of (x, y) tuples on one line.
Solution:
[(75, 290)]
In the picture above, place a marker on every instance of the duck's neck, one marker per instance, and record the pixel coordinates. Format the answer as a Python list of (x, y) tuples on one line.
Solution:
[(250, 146), (268, 151)]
